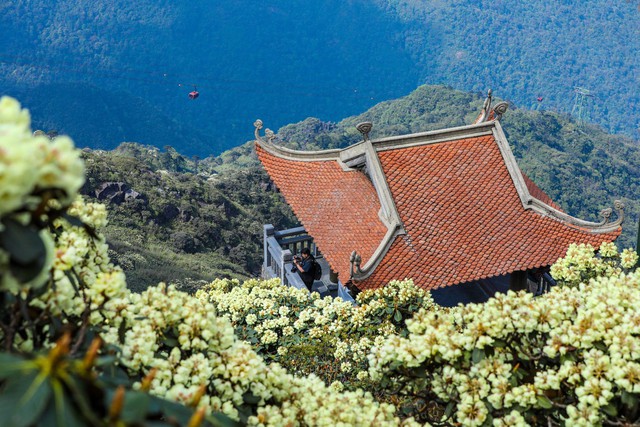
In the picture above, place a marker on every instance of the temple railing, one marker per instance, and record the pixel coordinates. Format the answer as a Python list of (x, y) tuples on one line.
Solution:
[(279, 249)]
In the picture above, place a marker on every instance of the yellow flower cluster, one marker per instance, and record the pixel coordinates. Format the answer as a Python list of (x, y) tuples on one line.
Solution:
[(583, 262), (513, 352), (182, 337), (29, 164), (97, 285), (34, 173), (188, 344)]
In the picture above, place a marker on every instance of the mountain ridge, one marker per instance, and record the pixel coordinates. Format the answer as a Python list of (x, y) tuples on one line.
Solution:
[(329, 59)]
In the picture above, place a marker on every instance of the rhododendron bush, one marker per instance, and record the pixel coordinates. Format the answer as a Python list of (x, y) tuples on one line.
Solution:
[(517, 359), (307, 334), (59, 290), (78, 348)]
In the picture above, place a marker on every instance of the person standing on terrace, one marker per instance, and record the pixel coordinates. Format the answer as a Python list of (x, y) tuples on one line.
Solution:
[(304, 266)]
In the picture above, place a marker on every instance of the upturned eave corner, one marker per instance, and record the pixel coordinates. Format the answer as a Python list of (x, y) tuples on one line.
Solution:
[(268, 145), (269, 135), (542, 208), (602, 227), (489, 113), (362, 272)]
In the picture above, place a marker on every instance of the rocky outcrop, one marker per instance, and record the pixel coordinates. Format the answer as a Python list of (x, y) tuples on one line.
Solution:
[(117, 192)]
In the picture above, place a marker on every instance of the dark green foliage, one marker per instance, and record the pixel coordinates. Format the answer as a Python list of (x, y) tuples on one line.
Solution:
[(167, 223), (25, 248), (57, 390)]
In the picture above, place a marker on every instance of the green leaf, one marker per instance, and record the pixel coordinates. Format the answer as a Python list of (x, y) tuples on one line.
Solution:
[(544, 402), (22, 242), (610, 410), (629, 399), (24, 399), (122, 330), (179, 412), (489, 420), (114, 376), (170, 342), (25, 273), (135, 407), (73, 220), (449, 409), (420, 371), (81, 398), (477, 355), (106, 360), (11, 365), (601, 346), (250, 398), (498, 343), (397, 316), (59, 412)]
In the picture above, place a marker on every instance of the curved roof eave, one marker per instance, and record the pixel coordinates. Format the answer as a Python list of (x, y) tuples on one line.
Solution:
[(290, 154), (362, 152), (542, 208)]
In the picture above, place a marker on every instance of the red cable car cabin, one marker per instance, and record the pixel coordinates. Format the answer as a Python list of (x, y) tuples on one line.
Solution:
[(194, 94)]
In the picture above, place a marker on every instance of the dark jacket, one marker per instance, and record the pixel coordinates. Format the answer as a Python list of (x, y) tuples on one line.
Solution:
[(307, 271)]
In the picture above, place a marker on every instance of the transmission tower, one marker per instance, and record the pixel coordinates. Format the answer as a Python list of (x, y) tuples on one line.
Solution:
[(582, 104)]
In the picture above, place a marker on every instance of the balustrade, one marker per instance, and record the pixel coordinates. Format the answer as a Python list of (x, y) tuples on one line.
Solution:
[(279, 248)]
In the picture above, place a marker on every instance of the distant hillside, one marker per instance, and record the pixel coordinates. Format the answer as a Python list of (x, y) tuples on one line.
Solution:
[(173, 219), (329, 59), (530, 49), (290, 59), (102, 119)]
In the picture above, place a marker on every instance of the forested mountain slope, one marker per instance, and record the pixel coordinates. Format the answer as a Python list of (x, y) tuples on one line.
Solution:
[(292, 59), (174, 219), (327, 59), (526, 50), (108, 116)]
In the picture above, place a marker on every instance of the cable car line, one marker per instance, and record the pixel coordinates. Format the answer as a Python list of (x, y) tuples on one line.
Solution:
[(162, 78)]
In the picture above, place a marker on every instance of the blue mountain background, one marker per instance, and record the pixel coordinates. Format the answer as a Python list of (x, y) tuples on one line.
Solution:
[(109, 72)]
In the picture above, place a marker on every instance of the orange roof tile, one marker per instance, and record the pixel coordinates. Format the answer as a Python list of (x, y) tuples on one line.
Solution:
[(338, 208), (464, 219)]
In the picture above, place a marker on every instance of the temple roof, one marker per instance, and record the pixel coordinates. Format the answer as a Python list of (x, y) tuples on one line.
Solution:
[(339, 207), (441, 207)]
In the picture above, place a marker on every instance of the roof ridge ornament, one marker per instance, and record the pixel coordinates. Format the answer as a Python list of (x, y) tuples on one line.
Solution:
[(267, 132), (488, 113), (355, 261), (606, 214), (364, 128)]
